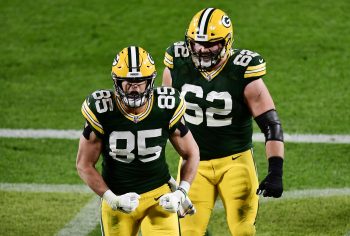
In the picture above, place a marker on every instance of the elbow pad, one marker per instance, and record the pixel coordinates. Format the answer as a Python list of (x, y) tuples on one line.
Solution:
[(87, 131), (270, 125), (181, 127)]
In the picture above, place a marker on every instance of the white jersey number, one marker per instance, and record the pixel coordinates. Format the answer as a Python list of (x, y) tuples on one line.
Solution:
[(180, 49), (103, 101), (198, 116), (125, 155), (166, 98), (244, 57)]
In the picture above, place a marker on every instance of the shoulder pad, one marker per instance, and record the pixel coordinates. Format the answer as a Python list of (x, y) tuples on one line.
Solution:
[(177, 50), (255, 65), (169, 98)]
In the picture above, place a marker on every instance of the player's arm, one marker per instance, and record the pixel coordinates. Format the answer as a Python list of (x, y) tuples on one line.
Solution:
[(90, 147), (263, 110), (186, 146), (89, 151), (167, 79), (169, 64)]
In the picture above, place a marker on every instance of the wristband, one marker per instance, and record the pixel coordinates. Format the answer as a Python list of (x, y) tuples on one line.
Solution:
[(185, 186), (276, 165), (183, 192), (109, 196)]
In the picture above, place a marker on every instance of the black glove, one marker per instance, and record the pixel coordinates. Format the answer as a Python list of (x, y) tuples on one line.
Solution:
[(272, 185)]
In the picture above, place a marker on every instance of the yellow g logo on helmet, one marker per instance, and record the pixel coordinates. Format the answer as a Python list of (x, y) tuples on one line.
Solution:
[(115, 61), (210, 25), (150, 58), (226, 21)]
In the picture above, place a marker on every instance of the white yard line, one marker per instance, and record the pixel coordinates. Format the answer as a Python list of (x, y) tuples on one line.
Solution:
[(81, 188), (309, 138), (300, 194), (47, 188), (88, 217), (258, 137), (40, 133), (85, 221)]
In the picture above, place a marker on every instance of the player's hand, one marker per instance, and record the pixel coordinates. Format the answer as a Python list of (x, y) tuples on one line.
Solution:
[(272, 185), (126, 203), (186, 208), (171, 201)]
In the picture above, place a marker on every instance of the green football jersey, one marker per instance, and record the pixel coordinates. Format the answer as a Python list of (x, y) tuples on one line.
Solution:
[(216, 114), (134, 145)]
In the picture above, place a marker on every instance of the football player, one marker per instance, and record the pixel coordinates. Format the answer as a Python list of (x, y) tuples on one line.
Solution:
[(130, 126), (224, 90)]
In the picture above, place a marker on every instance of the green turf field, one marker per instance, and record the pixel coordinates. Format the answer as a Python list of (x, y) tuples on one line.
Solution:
[(54, 53)]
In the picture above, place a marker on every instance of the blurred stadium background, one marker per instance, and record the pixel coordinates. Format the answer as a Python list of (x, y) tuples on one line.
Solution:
[(54, 53)]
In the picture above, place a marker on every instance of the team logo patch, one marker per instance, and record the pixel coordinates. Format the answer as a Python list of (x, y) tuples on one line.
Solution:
[(226, 21)]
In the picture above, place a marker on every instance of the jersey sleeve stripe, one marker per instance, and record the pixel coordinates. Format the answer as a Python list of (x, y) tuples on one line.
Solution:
[(256, 74), (168, 61), (254, 71), (180, 111), (169, 57), (91, 118), (263, 65)]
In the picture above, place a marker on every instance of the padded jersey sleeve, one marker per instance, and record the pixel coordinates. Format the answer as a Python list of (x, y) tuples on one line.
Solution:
[(169, 57), (179, 111), (88, 110), (171, 104), (256, 65), (175, 54)]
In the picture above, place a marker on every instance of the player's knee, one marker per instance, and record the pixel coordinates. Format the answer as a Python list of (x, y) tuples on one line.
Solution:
[(244, 229)]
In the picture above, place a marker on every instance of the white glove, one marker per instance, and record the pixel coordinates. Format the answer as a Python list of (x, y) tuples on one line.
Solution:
[(171, 201), (186, 207), (172, 184), (126, 203)]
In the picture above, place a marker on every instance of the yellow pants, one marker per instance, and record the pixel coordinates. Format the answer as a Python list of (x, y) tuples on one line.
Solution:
[(234, 178), (152, 218)]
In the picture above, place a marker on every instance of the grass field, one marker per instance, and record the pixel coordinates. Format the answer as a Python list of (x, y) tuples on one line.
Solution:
[(54, 53)]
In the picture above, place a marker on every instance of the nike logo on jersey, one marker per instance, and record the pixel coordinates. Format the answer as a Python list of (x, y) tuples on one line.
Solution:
[(234, 158)]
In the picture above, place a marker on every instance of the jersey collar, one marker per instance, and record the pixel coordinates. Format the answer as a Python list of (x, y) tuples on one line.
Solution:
[(135, 117), (210, 75)]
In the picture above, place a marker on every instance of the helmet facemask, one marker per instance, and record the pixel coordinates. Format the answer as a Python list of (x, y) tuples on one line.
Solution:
[(134, 99), (207, 59), (132, 70), (208, 28)]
